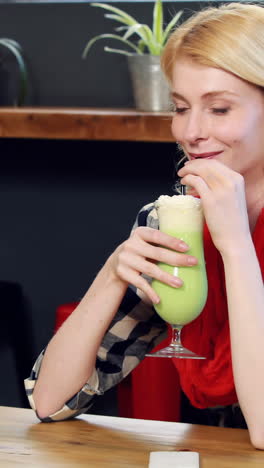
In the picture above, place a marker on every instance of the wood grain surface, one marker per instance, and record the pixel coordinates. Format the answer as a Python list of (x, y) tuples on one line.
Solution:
[(104, 441), (85, 124)]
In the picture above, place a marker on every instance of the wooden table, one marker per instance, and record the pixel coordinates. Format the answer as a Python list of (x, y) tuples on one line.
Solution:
[(85, 124), (103, 441)]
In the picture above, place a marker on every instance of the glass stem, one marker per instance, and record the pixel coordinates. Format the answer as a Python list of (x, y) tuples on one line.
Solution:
[(176, 336)]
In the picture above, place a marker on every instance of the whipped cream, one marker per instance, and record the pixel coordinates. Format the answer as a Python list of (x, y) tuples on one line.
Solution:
[(179, 212)]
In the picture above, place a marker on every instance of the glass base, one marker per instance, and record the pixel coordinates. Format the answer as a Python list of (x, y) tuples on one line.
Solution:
[(175, 351)]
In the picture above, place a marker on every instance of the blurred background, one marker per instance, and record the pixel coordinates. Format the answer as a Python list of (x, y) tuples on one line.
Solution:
[(66, 205)]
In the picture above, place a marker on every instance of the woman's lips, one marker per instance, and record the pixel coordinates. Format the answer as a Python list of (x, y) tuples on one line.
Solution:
[(204, 155)]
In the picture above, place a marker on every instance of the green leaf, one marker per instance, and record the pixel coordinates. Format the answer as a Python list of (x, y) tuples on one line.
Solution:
[(141, 45), (158, 22), (15, 48), (152, 39), (109, 36), (151, 44), (148, 32), (13, 43), (171, 24), (122, 28), (116, 51), (143, 31), (118, 18), (121, 13)]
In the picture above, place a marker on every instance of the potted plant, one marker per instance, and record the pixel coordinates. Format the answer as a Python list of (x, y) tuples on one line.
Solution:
[(16, 51), (143, 48)]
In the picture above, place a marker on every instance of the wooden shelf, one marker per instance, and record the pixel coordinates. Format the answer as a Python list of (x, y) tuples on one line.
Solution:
[(85, 124)]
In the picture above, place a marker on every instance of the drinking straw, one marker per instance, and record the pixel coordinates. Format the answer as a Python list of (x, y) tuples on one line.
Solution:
[(183, 189)]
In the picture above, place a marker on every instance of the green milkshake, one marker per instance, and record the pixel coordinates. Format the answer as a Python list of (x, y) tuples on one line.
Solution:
[(181, 216)]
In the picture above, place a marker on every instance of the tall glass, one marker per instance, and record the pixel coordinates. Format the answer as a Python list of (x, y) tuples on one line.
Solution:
[(181, 216)]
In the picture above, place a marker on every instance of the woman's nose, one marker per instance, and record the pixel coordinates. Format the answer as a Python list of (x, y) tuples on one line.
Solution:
[(195, 128)]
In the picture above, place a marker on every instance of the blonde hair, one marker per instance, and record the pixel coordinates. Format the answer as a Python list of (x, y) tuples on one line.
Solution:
[(230, 37)]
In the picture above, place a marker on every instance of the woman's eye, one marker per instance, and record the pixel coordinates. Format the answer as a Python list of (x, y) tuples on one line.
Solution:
[(220, 110), (177, 109), (180, 110)]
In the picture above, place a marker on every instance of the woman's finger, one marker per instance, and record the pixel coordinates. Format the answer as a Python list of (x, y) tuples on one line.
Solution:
[(133, 277), (153, 271), (215, 174), (164, 255), (155, 236), (139, 247), (198, 184)]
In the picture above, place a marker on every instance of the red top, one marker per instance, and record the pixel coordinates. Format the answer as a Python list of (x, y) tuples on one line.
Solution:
[(210, 382)]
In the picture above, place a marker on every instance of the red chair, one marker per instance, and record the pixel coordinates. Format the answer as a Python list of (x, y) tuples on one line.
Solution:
[(150, 391)]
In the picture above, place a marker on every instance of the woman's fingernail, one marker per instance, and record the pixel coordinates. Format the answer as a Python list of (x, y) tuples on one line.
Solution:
[(176, 282), (156, 300), (183, 246), (191, 261)]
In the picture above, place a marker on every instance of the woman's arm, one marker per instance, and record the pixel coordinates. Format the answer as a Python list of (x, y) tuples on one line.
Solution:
[(69, 359), (70, 356), (223, 197), (245, 296)]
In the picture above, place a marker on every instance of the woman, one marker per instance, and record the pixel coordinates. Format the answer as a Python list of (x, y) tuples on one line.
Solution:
[(215, 64)]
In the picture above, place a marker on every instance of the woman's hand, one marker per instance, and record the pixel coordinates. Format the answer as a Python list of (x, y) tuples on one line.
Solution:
[(139, 254), (223, 197)]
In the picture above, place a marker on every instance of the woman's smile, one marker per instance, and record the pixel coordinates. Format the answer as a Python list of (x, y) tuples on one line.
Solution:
[(207, 155)]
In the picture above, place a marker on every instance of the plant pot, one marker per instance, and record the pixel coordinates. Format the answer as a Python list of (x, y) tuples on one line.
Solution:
[(150, 88)]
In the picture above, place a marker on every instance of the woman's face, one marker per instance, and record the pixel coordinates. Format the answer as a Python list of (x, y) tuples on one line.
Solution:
[(218, 115)]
